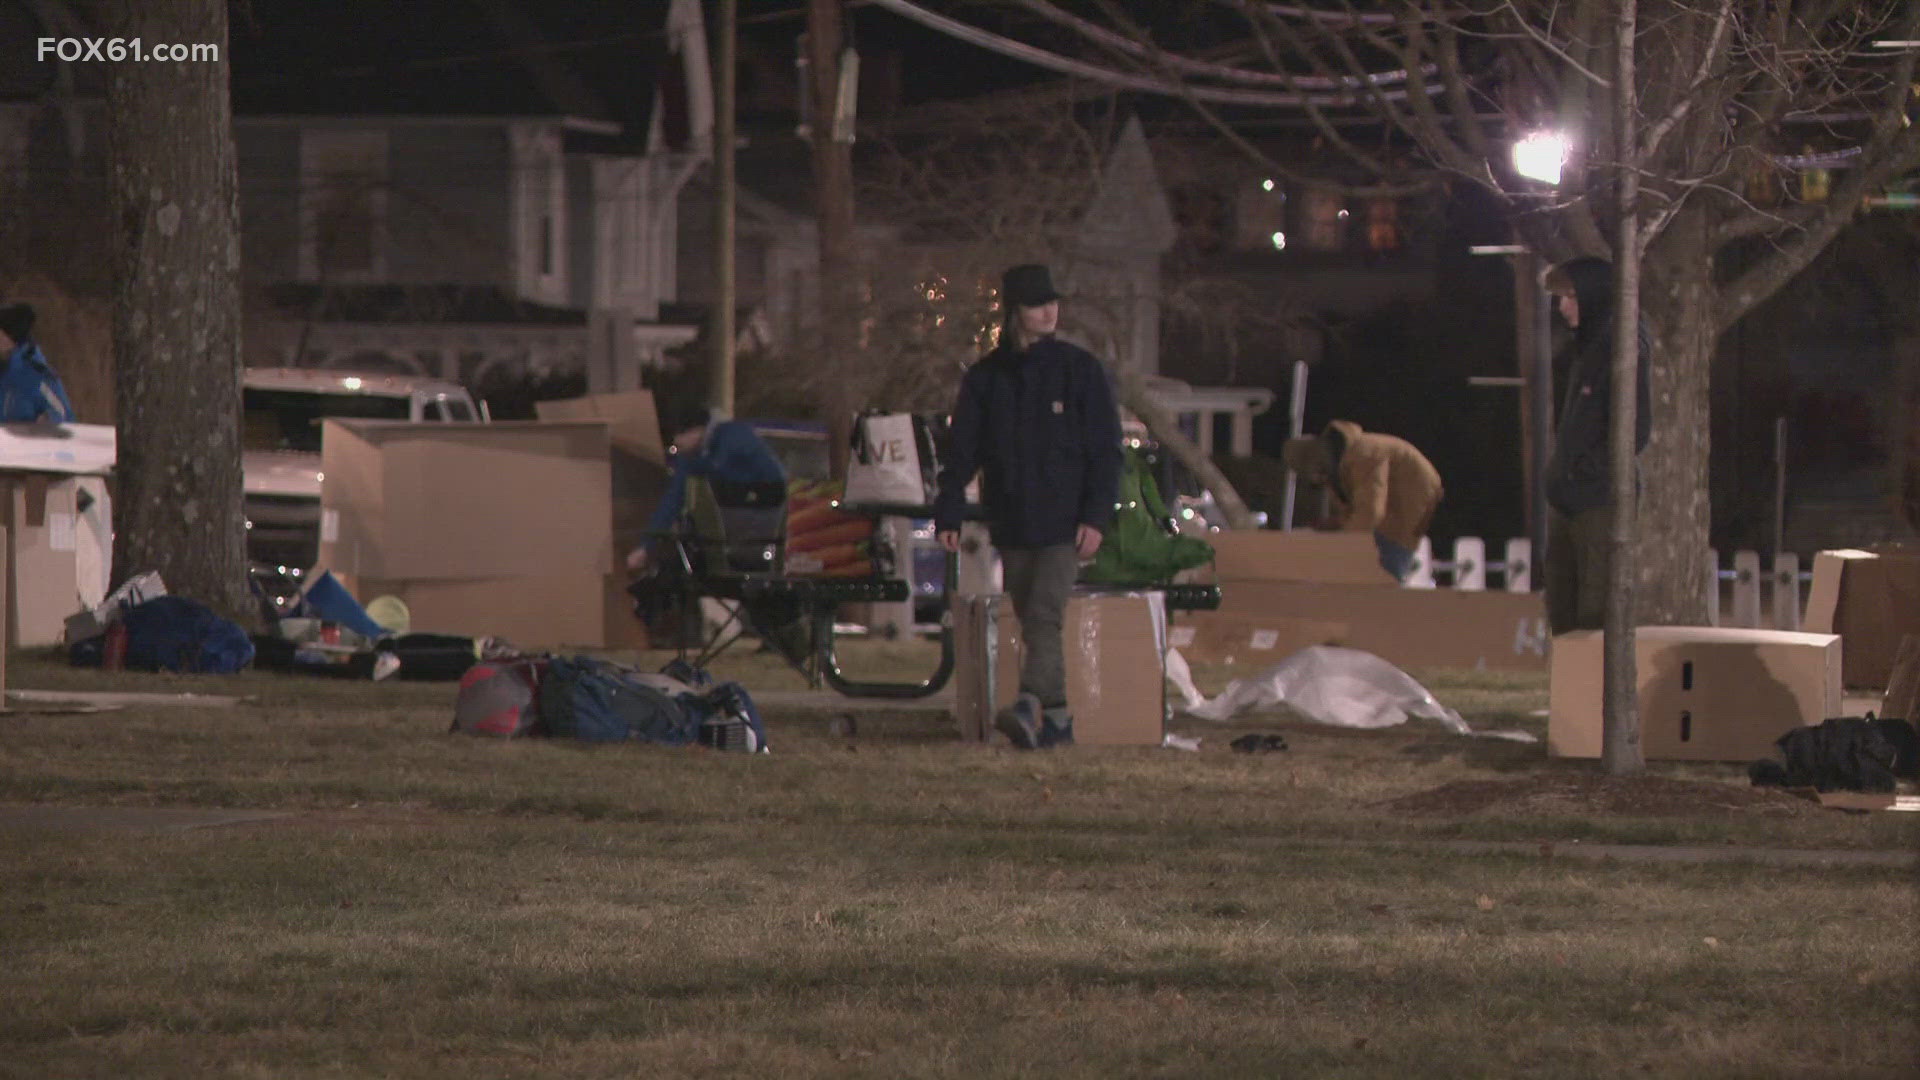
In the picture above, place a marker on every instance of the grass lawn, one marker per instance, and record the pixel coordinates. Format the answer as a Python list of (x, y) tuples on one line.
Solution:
[(897, 903)]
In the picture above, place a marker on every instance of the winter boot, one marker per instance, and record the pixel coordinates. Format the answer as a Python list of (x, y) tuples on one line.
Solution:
[(1020, 722)]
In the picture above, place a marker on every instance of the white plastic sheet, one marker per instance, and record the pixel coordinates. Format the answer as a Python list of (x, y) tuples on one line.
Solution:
[(1342, 688)]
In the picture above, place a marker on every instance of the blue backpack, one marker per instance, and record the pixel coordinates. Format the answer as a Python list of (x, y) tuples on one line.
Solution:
[(727, 718), (596, 701)]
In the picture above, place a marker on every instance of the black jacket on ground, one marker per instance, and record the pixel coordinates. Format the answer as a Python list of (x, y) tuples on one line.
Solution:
[(1579, 476), (1041, 429)]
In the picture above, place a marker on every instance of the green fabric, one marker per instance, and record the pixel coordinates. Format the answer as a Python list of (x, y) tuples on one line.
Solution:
[(1139, 549)]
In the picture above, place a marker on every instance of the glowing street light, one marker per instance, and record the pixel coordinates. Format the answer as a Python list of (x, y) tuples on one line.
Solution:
[(1540, 156)]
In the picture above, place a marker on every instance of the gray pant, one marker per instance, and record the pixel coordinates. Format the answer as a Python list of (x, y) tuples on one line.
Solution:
[(1039, 580)]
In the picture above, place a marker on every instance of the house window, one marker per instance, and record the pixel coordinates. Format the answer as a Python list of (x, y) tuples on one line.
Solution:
[(539, 208), (343, 204), (1323, 220), (1260, 216)]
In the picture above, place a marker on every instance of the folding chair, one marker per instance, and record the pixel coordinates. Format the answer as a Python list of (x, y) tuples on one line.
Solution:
[(729, 532)]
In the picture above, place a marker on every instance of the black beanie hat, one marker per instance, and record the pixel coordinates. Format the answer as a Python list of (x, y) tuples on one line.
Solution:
[(17, 321)]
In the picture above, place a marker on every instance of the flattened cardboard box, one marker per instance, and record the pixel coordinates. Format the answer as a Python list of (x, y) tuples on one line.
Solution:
[(1410, 628), (548, 611), (1705, 693), (1116, 681), (1330, 558), (441, 501), (1871, 599)]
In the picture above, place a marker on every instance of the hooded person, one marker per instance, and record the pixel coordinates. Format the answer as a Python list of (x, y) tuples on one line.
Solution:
[(1380, 484), (1579, 479), (30, 390), (1036, 419)]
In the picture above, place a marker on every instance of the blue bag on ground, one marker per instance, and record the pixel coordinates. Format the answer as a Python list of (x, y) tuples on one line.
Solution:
[(173, 633), (727, 719), (596, 701)]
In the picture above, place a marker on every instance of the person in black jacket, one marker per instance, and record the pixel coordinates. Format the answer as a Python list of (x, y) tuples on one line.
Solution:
[(1036, 418), (1579, 475)]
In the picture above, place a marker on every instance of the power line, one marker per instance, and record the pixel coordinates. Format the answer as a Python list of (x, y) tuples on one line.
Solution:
[(1066, 65)]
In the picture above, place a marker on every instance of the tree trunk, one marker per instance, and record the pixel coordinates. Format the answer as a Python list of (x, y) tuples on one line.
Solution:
[(839, 255), (176, 309), (1677, 508), (1620, 686)]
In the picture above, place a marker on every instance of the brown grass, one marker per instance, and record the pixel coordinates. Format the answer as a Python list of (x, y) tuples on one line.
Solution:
[(901, 904)]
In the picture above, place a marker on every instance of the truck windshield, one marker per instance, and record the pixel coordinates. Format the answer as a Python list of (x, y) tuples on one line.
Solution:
[(290, 419)]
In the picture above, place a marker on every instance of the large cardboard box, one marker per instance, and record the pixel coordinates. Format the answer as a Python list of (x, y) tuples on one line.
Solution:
[(1411, 628), (633, 423), (461, 501), (638, 459), (1115, 651), (552, 611), (1705, 693), (1335, 558), (57, 563), (1872, 600), (624, 630)]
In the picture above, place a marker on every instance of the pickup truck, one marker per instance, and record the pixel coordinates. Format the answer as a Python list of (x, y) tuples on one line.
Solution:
[(280, 444)]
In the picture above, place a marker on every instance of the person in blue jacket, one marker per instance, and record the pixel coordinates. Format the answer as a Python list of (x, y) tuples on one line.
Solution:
[(30, 389), (727, 450), (1036, 419)]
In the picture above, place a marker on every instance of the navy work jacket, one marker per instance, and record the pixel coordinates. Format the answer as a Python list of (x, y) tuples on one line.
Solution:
[(1041, 429)]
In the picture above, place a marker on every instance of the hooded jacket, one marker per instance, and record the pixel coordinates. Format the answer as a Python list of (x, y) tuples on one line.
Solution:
[(1381, 483), (1579, 475), (30, 389), (1041, 429)]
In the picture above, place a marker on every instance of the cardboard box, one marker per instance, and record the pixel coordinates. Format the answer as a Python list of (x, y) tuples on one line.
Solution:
[(1410, 628), (1872, 600), (1210, 638), (1116, 681), (1334, 558), (440, 500), (554, 611), (5, 547), (624, 630), (633, 423), (1705, 693), (57, 563)]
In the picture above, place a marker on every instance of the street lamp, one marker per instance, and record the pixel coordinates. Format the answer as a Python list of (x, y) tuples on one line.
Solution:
[(1540, 155)]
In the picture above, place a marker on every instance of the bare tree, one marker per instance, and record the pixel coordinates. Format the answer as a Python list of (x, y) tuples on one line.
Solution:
[(1732, 99), (970, 189), (176, 307)]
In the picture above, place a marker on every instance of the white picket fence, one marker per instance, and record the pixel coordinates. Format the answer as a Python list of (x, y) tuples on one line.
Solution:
[(1468, 569), (1756, 596)]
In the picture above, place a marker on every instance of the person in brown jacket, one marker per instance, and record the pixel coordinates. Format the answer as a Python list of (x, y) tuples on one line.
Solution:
[(1379, 483)]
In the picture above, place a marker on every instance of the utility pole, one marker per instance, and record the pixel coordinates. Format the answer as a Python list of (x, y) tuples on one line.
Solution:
[(720, 379), (833, 184)]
